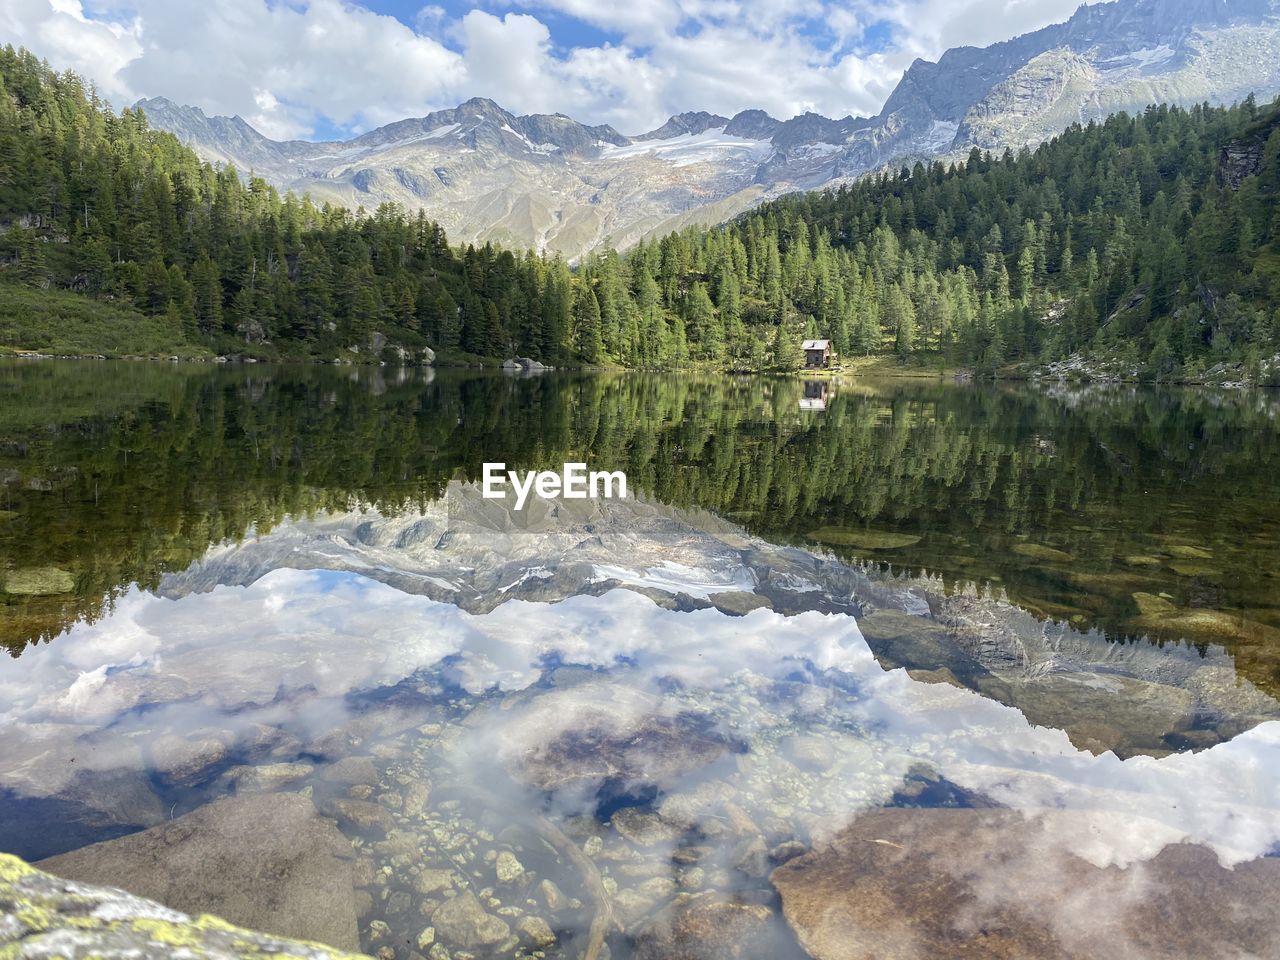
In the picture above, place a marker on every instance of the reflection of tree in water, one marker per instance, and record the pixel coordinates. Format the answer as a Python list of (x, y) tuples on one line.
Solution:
[(1073, 503)]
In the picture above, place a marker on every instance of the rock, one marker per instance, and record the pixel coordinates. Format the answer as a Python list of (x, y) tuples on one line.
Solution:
[(363, 816), (364, 904), (863, 539), (631, 906), (643, 829), (1136, 714), (351, 771), (463, 922), (693, 854), (268, 862), (186, 762), (751, 857), (1040, 551), (788, 850), (264, 778), (87, 788), (417, 795), (651, 749), (44, 916), (426, 938), (536, 932), (39, 581), (708, 927), (1143, 560), (693, 878), (508, 868), (967, 883), (1161, 618), (813, 753), (553, 897), (430, 882)]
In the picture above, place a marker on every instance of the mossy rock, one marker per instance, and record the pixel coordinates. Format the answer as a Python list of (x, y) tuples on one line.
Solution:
[(1039, 551), (7, 515), (50, 917), (1189, 568), (39, 581), (1186, 552), (1151, 605), (865, 539), (1142, 560)]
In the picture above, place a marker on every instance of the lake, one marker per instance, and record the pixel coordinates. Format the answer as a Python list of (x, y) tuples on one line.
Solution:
[(852, 661)]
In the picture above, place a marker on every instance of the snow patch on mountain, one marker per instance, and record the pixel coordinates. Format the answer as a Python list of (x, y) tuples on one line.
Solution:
[(710, 146)]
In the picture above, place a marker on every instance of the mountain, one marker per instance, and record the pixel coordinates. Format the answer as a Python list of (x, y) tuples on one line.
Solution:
[(543, 181), (1147, 243), (549, 182)]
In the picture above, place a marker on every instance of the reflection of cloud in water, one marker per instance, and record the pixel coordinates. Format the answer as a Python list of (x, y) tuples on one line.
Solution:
[(237, 656)]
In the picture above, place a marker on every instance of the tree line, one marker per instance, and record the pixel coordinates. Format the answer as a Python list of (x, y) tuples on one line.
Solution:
[(1126, 239)]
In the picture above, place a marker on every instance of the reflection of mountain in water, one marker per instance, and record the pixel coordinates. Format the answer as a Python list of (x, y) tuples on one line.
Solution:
[(696, 708), (1140, 512), (463, 550)]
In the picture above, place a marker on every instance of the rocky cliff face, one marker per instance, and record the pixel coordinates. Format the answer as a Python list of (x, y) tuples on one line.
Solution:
[(552, 183)]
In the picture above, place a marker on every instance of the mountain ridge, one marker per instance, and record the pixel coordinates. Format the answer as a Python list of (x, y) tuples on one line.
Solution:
[(549, 182)]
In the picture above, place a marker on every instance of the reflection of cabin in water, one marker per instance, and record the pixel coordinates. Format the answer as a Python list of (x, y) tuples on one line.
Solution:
[(815, 395), (817, 354)]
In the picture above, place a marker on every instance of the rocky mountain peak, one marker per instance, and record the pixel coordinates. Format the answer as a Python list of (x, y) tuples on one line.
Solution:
[(752, 125), (686, 123)]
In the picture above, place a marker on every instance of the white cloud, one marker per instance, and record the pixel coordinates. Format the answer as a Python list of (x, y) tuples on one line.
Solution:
[(290, 68)]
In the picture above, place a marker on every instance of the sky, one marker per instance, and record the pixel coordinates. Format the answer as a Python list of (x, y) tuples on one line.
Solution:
[(320, 69)]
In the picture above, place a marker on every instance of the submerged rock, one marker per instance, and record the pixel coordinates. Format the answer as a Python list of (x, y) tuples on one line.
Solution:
[(507, 868), (644, 829), (47, 917), (267, 777), (363, 816), (464, 923), (1040, 551), (866, 539), (39, 581), (351, 771), (651, 749), (707, 927), (986, 884), (269, 862), (184, 762), (536, 932), (430, 882)]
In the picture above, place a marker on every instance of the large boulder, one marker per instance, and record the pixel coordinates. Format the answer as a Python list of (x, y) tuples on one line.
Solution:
[(46, 917), (269, 862), (993, 884)]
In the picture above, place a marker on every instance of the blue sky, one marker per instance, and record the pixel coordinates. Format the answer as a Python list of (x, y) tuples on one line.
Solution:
[(334, 68)]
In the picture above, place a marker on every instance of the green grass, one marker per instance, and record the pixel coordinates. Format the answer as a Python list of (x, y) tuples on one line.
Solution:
[(69, 324)]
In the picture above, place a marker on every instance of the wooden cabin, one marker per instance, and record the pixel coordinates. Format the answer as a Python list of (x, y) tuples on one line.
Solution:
[(817, 354)]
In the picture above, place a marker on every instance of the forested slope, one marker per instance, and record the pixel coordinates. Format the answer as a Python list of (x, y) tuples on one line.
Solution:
[(1149, 240)]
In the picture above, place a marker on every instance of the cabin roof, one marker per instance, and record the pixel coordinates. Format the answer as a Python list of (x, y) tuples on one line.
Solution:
[(816, 345)]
